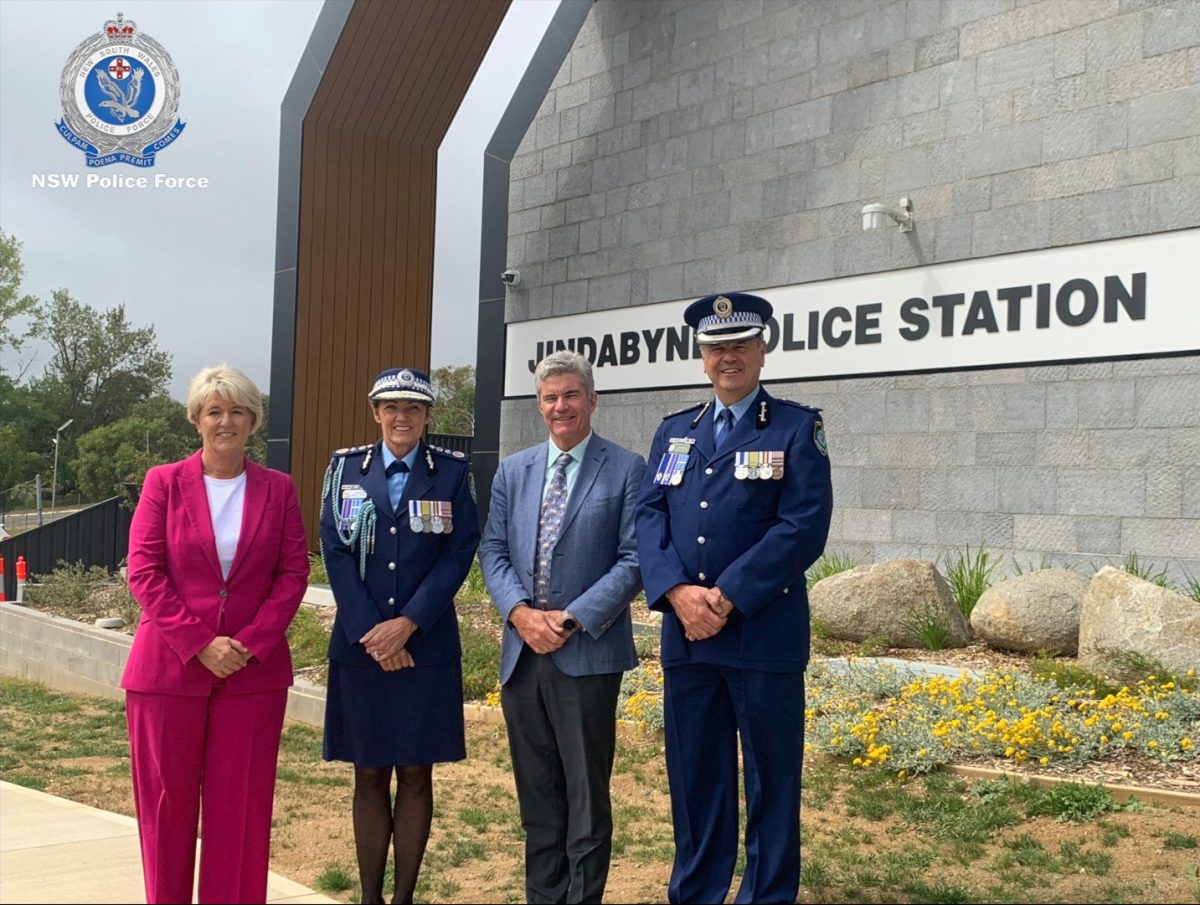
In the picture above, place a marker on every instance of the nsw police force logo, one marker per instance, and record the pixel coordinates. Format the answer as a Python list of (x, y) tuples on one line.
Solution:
[(120, 97)]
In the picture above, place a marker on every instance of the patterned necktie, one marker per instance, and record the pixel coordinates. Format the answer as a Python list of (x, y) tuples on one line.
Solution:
[(553, 507), (722, 428)]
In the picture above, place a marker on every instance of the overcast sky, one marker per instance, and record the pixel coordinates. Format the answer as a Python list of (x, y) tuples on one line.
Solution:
[(198, 263)]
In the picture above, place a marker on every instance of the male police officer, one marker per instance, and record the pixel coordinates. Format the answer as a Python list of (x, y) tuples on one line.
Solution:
[(735, 506)]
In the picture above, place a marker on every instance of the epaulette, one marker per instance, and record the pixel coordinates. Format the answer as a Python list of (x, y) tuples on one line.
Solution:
[(800, 405), (690, 408), (448, 453), (351, 450)]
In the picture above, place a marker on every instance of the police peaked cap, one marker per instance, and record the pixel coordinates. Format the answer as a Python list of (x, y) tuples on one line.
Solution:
[(728, 317), (402, 383)]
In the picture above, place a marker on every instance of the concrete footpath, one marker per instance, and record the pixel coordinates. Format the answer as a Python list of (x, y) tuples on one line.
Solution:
[(54, 850)]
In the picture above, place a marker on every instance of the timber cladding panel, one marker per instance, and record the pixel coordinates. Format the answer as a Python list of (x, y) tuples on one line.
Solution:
[(368, 181)]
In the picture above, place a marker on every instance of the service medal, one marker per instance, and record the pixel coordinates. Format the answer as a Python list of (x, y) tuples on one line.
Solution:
[(677, 479), (442, 522), (416, 524), (741, 466), (764, 472)]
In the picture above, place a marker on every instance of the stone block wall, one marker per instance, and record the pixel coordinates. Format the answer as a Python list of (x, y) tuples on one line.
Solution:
[(693, 146)]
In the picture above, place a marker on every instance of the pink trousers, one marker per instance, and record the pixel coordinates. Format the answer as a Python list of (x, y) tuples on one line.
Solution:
[(214, 757)]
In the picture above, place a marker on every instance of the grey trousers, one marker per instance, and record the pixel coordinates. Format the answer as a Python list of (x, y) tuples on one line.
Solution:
[(562, 735)]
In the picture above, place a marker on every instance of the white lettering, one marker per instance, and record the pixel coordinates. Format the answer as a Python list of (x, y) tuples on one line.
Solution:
[(116, 181), (55, 180), (161, 180)]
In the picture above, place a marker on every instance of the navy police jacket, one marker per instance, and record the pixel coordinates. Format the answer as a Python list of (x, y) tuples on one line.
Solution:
[(384, 564), (751, 537)]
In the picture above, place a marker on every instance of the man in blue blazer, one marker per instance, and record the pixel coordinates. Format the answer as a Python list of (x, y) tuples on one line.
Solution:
[(734, 507), (560, 561)]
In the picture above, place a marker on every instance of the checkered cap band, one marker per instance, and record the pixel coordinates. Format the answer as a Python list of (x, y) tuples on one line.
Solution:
[(735, 320)]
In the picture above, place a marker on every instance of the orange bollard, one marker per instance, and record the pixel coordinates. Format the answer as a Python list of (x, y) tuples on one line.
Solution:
[(2, 597), (21, 575)]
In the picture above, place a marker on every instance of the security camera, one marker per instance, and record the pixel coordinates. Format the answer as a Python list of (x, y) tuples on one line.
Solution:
[(512, 277)]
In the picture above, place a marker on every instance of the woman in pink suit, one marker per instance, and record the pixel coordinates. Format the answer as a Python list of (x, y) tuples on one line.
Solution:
[(218, 563)]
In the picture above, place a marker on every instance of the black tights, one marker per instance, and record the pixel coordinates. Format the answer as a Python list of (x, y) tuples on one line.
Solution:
[(376, 824)]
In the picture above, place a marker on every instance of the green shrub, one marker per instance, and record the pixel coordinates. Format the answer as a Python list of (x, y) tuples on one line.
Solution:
[(1191, 587), (829, 564), (68, 589), (473, 588), (969, 576), (478, 628), (1072, 802), (334, 879), (1145, 571), (1047, 668), (930, 625), (316, 569)]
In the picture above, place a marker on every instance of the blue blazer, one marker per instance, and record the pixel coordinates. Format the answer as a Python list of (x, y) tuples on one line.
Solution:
[(595, 566), (752, 538), (408, 573)]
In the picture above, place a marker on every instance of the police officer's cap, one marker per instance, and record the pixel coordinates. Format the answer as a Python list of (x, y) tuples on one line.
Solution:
[(402, 383), (727, 318)]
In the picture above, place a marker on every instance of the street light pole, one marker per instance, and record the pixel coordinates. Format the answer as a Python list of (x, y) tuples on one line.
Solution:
[(54, 482)]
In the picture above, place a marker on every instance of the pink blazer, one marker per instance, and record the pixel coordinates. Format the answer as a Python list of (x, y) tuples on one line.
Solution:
[(176, 579)]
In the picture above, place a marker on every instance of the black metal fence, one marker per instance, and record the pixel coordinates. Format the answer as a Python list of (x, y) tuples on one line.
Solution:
[(457, 442), (95, 536)]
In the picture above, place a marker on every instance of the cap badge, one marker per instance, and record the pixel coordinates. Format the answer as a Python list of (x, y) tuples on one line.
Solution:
[(406, 376), (722, 307)]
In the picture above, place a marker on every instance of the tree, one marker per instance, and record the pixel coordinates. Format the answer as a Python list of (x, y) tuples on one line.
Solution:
[(101, 366), (256, 446), (454, 388), (12, 304), (26, 430), (113, 455)]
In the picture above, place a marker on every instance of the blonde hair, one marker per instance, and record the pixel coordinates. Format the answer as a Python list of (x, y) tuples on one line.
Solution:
[(231, 384)]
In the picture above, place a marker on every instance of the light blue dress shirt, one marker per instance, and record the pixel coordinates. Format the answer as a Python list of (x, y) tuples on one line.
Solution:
[(738, 409), (576, 454), (397, 481)]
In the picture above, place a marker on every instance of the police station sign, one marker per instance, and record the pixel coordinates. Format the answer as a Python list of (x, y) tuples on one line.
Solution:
[(1122, 298)]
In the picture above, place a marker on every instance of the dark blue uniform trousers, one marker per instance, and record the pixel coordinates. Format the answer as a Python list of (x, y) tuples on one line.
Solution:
[(706, 708)]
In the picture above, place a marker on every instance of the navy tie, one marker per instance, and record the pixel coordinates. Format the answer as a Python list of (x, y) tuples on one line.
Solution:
[(723, 426), (397, 467)]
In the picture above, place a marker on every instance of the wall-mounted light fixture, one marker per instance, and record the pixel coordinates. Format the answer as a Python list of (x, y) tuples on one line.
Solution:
[(876, 216)]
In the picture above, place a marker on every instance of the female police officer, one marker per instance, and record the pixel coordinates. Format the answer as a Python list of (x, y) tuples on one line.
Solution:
[(398, 531)]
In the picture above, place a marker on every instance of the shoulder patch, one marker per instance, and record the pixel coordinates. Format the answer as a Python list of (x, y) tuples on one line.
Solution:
[(690, 408)]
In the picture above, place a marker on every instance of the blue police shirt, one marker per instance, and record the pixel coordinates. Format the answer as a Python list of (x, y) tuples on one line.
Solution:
[(397, 481)]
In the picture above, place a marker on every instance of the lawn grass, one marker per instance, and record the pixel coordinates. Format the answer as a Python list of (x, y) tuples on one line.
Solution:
[(867, 836)]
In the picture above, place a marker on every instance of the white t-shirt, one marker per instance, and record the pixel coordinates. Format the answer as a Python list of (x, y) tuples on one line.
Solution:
[(225, 496)]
